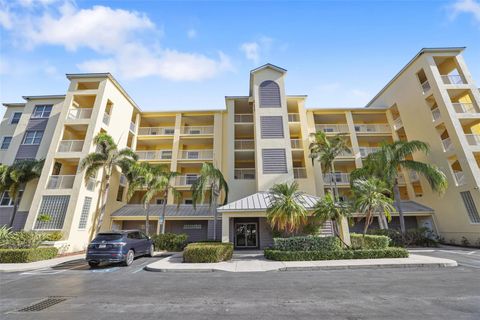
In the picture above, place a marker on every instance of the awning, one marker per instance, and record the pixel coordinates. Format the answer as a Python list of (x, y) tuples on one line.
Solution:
[(184, 210), (409, 206)]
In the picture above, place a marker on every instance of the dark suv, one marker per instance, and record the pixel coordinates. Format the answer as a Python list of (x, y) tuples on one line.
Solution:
[(118, 246)]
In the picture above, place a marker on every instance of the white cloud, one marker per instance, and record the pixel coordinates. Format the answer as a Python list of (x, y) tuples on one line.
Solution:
[(191, 33), (251, 51), (261, 48), (466, 6)]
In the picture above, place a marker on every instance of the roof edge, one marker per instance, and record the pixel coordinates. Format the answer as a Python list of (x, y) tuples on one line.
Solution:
[(48, 96)]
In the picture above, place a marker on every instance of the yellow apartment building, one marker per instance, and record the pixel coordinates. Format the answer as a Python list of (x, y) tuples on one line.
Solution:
[(257, 140)]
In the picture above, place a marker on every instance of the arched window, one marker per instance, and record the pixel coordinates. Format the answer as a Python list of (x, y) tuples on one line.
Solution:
[(269, 95)]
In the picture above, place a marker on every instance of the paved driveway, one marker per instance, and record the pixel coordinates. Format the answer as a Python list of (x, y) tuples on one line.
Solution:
[(467, 257)]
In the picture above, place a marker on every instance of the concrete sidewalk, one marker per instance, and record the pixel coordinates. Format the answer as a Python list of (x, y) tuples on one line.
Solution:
[(21, 267), (256, 262)]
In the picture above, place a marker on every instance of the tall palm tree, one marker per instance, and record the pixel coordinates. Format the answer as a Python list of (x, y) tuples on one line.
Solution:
[(210, 184), (325, 150), (386, 162), (107, 157), (286, 212), (166, 186), (15, 177), (328, 208), (371, 198)]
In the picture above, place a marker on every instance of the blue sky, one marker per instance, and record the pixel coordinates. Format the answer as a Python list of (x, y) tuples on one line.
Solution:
[(189, 55)]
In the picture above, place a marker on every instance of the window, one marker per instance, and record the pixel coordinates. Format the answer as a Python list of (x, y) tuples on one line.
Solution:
[(193, 155), (16, 118), (274, 161), (33, 137), (120, 193), (134, 235), (87, 202), (192, 227), (470, 206), (56, 208), (169, 131), (42, 111), (269, 95), (167, 154), (188, 201), (159, 201), (271, 127), (6, 143), (6, 200), (190, 178)]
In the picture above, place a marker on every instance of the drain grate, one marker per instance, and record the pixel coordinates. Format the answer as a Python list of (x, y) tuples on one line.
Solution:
[(44, 304)]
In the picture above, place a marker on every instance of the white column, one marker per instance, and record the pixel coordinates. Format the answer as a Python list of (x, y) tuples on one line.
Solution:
[(225, 228)]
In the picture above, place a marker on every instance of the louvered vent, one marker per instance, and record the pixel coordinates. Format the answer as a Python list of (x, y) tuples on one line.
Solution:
[(269, 95), (271, 127), (274, 161)]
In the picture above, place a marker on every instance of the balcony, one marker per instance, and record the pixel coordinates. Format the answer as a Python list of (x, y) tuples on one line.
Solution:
[(70, 146), (243, 118), (244, 174), (300, 173), (186, 180), (461, 107), (196, 155), (60, 182), (244, 144), (459, 177), (346, 154), (473, 139), (372, 128), (293, 117), (453, 79), (91, 184), (106, 119), (196, 130), (397, 123), (79, 113), (436, 114), (339, 177), (133, 127), (332, 128), (296, 144), (365, 151), (447, 144), (426, 86), (154, 155), (156, 131)]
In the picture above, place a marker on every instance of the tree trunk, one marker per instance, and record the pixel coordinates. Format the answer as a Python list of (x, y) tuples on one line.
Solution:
[(14, 213), (337, 233), (147, 219), (104, 203), (396, 197), (367, 223), (334, 181), (165, 198), (215, 194)]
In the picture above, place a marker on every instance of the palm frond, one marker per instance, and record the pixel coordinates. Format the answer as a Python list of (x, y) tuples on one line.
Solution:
[(435, 177)]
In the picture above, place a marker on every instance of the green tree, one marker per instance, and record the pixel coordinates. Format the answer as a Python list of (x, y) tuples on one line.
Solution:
[(107, 157), (386, 163), (286, 212), (14, 178), (370, 198), (210, 183)]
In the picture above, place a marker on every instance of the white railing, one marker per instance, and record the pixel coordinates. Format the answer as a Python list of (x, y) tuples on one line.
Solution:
[(459, 177), (244, 174), (70, 146), (339, 177), (91, 184), (398, 123), (60, 182), (132, 127), (461, 107), (186, 180), (447, 144), (293, 117), (346, 153), (244, 144), (156, 131), (426, 86), (373, 128), (365, 151), (244, 118), (197, 130), (106, 118), (196, 155), (300, 173), (453, 79), (79, 113), (296, 143), (332, 128), (473, 139), (436, 114), (154, 155)]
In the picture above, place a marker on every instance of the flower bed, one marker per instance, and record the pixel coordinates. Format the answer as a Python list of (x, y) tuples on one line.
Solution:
[(207, 252)]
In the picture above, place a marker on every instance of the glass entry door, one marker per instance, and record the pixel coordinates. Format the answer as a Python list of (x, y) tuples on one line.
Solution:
[(246, 235)]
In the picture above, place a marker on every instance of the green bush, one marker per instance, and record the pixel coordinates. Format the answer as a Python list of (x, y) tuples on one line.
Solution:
[(307, 243), (27, 255), (359, 241), (22, 240), (207, 252), (53, 236), (170, 241), (335, 254), (422, 237)]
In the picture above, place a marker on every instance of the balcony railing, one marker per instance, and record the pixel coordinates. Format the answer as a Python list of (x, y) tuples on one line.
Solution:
[(154, 155), (447, 144), (79, 113), (436, 114), (459, 177), (156, 131), (243, 118), (296, 144), (132, 127), (346, 153), (70, 146), (372, 128), (332, 128), (196, 155), (398, 123), (196, 130), (453, 79), (244, 174), (461, 107), (293, 117), (426, 86), (244, 144), (186, 180), (60, 182), (299, 173), (106, 118), (339, 177), (473, 139), (365, 151)]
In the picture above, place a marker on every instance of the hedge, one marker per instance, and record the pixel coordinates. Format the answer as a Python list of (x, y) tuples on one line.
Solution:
[(307, 243), (27, 255), (359, 241), (207, 252), (170, 241), (335, 254)]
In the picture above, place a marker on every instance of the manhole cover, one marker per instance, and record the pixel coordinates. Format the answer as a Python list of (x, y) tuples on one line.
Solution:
[(44, 304)]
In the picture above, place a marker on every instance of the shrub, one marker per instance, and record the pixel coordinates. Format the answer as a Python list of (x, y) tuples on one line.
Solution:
[(307, 243), (359, 241), (413, 237), (170, 241), (207, 252), (335, 254), (23, 240), (27, 255), (53, 236)]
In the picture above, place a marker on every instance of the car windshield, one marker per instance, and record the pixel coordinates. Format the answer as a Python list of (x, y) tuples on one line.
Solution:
[(108, 237)]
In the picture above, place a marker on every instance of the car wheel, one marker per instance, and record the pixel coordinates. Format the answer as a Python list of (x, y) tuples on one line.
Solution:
[(129, 258), (151, 251), (93, 264)]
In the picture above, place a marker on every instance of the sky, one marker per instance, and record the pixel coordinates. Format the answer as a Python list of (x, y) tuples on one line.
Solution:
[(190, 55)]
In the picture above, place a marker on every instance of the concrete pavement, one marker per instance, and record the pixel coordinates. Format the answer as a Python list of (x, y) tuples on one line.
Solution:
[(22, 267)]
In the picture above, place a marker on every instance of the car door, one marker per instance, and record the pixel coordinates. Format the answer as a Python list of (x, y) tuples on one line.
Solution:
[(145, 242), (133, 240)]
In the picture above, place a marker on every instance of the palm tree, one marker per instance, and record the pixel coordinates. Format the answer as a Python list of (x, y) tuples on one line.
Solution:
[(106, 157), (325, 150), (386, 162), (370, 198), (15, 177), (286, 212), (328, 208), (210, 183)]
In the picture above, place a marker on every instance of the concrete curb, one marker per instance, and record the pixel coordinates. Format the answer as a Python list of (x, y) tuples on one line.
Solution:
[(22, 267)]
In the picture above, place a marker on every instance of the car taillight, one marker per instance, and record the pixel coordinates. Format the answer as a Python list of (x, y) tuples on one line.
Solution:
[(118, 244)]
